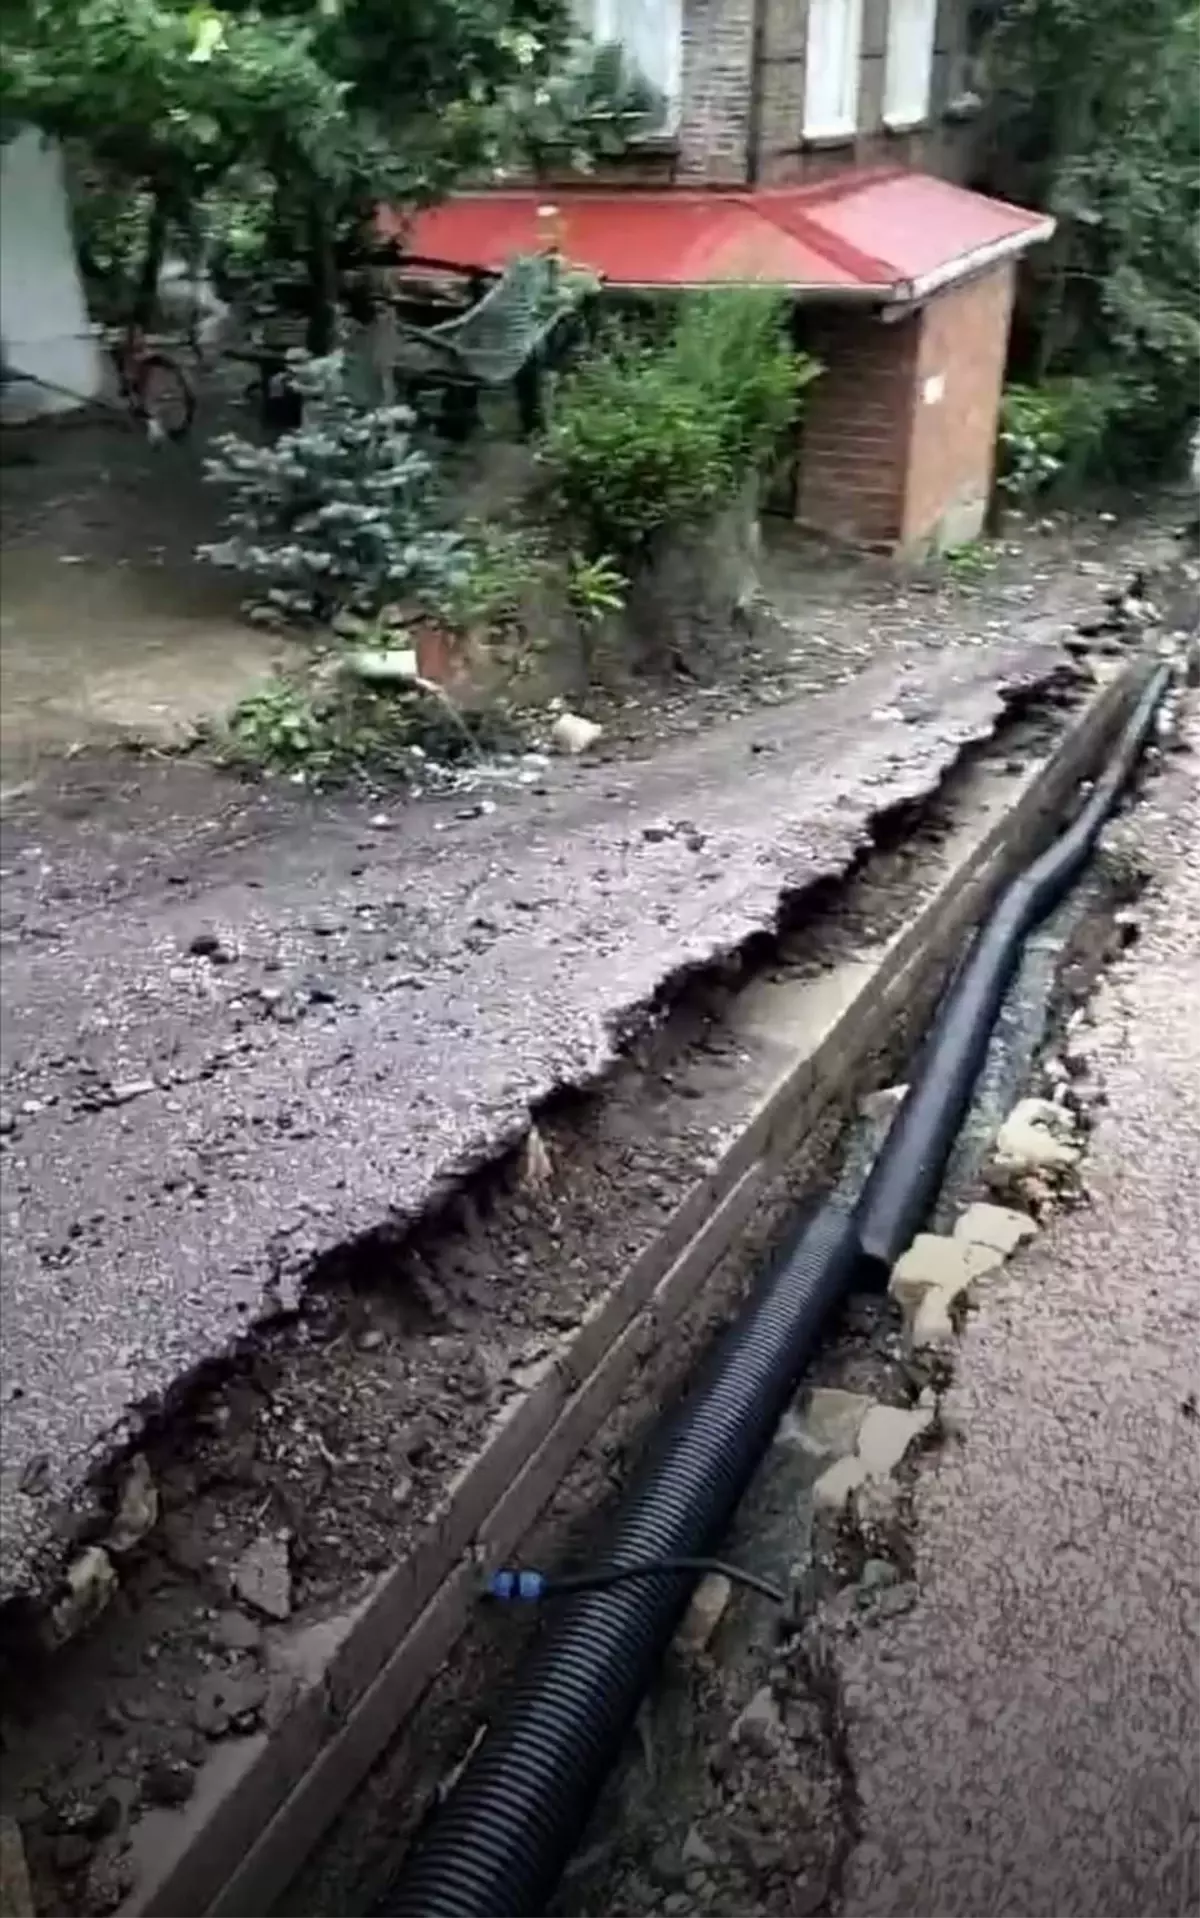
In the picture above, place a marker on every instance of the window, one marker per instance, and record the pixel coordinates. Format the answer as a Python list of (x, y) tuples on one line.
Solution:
[(831, 69), (650, 34), (909, 62)]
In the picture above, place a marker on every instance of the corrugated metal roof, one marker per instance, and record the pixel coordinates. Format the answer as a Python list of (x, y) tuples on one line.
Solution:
[(859, 233)]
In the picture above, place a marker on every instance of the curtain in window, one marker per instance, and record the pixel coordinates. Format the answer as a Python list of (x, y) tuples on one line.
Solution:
[(651, 35)]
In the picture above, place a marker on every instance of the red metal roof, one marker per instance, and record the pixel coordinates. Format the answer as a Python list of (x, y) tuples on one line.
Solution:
[(860, 233)]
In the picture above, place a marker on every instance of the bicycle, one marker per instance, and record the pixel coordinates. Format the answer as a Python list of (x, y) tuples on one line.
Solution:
[(151, 384)]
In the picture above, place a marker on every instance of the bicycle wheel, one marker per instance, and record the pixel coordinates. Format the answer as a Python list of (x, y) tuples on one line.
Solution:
[(163, 397)]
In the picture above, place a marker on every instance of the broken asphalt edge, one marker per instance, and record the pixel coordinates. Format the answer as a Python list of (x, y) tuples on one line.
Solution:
[(345, 1684), (251, 1271)]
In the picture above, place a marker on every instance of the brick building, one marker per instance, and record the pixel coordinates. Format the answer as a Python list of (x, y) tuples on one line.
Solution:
[(819, 145)]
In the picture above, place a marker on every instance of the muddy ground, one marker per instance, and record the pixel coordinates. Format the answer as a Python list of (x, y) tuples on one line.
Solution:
[(737, 1792), (322, 1451), (218, 975), (229, 1074)]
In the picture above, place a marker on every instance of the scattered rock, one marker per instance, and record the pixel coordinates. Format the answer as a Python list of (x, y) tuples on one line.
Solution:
[(888, 1431), (90, 1584), (931, 1328), (234, 1632), (875, 1505), (1035, 1137), (535, 1169), (16, 1896), (897, 1601), (876, 1575), (111, 1877), (837, 1485), (262, 1577), (880, 1106), (998, 1226), (936, 1264), (128, 1090), (210, 946), (832, 1421), (379, 666), (319, 992), (137, 1512), (572, 734), (1128, 926), (8, 1123), (709, 1602), (229, 1701), (697, 1852), (168, 1781), (759, 1724)]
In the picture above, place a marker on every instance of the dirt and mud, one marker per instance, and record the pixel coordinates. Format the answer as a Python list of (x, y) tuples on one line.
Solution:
[(213, 1086), (268, 1503), (738, 1791), (316, 1457)]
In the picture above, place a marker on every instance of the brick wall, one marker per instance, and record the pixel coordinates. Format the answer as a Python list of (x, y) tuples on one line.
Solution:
[(899, 433), (718, 63), (854, 444), (717, 118), (959, 374), (718, 60)]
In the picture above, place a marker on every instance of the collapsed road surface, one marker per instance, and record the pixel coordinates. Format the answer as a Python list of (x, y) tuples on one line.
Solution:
[(213, 1084)]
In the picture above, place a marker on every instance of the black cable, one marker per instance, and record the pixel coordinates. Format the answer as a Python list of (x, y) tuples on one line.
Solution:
[(511, 1583)]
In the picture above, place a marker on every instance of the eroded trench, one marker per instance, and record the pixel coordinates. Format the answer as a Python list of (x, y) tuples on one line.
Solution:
[(289, 1479)]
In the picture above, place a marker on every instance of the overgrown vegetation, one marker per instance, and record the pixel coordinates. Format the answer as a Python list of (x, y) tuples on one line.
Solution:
[(655, 431), (1054, 435), (328, 108), (1099, 123), (329, 726), (335, 516)]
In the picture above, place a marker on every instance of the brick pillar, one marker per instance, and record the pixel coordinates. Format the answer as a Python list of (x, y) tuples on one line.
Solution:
[(899, 434), (854, 439), (956, 406)]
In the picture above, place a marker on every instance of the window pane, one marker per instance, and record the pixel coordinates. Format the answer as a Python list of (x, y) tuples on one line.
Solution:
[(831, 67), (909, 61), (650, 33)]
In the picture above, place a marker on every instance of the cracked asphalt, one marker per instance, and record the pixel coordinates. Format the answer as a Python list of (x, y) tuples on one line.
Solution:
[(248, 1047), (1026, 1742)]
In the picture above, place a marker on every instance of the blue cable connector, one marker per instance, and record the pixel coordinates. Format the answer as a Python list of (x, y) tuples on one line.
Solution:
[(527, 1586)]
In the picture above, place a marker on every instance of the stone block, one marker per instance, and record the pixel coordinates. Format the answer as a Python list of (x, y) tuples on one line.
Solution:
[(936, 1264), (833, 1420), (999, 1226), (838, 1484), (887, 1433)]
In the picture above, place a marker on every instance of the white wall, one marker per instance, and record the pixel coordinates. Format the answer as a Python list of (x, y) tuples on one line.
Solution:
[(44, 322)]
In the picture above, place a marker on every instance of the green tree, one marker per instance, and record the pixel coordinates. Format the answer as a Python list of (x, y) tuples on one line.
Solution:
[(1099, 122), (340, 102)]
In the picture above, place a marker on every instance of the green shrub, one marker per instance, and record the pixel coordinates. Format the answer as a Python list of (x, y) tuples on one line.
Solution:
[(342, 728), (335, 516), (651, 434), (1058, 435)]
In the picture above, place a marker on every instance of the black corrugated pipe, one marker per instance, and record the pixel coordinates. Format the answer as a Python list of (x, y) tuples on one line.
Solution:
[(907, 1173), (500, 1843)]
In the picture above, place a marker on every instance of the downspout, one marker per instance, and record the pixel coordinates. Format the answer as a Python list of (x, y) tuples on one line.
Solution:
[(754, 105)]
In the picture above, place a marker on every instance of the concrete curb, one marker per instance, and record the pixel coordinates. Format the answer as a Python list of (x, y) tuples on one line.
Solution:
[(346, 1683)]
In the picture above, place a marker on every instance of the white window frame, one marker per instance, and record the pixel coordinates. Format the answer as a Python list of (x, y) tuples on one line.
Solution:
[(650, 33), (832, 69), (908, 71)]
